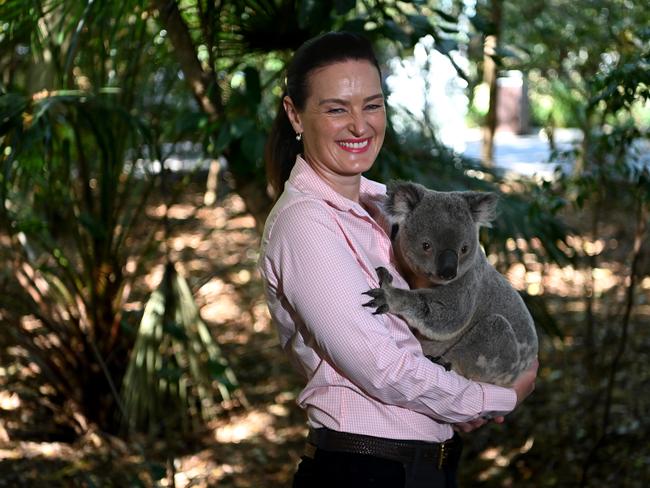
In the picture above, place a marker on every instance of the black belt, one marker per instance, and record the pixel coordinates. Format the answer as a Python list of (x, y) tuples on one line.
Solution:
[(404, 451)]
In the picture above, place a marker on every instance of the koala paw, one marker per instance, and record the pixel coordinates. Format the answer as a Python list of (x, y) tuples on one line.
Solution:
[(385, 278), (439, 360), (378, 300)]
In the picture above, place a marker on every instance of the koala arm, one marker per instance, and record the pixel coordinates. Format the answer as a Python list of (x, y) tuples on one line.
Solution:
[(316, 283), (439, 314)]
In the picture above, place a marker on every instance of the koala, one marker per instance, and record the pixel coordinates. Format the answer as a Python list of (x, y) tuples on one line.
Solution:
[(466, 315)]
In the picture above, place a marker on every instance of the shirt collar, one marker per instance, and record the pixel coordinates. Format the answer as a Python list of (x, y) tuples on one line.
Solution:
[(304, 179)]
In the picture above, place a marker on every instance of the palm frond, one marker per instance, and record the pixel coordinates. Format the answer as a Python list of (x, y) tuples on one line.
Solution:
[(177, 376)]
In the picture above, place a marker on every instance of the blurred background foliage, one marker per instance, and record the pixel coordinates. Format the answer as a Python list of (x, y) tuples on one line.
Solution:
[(102, 105)]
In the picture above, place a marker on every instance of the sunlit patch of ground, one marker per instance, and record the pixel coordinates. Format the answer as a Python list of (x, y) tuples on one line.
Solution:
[(258, 447), (217, 248)]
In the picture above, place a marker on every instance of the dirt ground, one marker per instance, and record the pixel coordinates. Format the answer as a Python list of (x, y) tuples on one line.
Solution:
[(216, 249), (259, 446)]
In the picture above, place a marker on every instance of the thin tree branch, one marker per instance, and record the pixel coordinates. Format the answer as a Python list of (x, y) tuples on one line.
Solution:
[(641, 224), (202, 83)]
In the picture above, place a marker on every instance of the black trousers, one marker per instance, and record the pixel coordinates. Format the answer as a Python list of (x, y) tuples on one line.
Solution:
[(331, 469)]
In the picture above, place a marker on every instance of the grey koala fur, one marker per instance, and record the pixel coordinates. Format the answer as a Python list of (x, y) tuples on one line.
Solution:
[(464, 312)]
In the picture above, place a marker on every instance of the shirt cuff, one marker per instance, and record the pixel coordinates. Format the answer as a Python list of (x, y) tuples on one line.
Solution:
[(497, 401)]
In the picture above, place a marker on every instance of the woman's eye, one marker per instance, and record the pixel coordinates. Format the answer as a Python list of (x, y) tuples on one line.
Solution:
[(426, 246), (335, 111), (464, 249), (374, 107)]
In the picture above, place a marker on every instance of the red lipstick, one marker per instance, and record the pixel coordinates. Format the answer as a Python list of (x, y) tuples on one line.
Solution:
[(355, 145)]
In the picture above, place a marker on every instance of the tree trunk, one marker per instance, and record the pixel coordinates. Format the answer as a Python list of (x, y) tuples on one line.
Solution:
[(205, 89), (490, 71), (201, 82), (257, 201), (582, 159)]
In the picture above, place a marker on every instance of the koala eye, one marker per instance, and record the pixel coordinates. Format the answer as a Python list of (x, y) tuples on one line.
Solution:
[(426, 246), (464, 249)]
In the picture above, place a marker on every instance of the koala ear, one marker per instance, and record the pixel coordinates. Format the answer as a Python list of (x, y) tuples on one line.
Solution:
[(402, 198), (482, 205)]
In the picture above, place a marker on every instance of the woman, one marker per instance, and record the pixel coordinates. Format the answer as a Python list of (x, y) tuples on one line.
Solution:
[(380, 413)]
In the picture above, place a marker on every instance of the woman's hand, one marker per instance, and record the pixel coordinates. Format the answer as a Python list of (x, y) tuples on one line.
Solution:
[(525, 384), (475, 424)]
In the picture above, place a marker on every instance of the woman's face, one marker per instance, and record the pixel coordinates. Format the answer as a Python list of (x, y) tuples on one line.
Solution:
[(344, 119)]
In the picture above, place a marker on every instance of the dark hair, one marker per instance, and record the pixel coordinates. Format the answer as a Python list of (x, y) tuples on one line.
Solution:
[(330, 48)]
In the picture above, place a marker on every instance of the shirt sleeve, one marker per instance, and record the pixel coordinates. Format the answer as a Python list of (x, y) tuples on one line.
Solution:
[(321, 279)]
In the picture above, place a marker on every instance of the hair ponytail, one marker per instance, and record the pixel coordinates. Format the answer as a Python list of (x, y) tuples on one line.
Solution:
[(334, 47), (281, 150)]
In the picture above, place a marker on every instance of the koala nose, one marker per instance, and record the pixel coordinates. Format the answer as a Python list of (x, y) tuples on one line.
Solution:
[(447, 264)]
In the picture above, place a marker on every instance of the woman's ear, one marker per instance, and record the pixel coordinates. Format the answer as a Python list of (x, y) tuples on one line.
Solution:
[(292, 114)]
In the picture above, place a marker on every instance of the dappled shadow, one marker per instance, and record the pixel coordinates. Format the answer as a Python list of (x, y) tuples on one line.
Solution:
[(259, 446)]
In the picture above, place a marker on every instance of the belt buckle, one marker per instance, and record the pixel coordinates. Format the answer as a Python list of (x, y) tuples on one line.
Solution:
[(443, 454)]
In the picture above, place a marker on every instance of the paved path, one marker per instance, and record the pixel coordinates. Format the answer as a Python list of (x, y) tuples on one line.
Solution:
[(526, 155)]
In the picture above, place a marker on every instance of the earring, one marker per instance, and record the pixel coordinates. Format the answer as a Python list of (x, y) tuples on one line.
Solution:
[(299, 136)]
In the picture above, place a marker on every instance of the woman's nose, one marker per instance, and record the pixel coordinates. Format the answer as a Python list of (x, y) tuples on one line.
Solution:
[(358, 124)]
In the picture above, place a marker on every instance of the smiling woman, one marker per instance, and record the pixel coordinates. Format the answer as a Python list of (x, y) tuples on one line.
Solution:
[(380, 413), (334, 87), (343, 122)]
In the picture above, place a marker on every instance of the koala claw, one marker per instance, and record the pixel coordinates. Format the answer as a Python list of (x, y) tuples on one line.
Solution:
[(374, 293), (385, 278), (378, 301), (381, 309)]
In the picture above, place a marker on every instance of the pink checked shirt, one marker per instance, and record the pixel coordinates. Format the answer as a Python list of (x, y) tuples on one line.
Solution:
[(365, 373)]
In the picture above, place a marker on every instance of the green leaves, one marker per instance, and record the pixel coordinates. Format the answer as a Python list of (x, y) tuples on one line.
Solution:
[(241, 135), (452, 19), (623, 86), (342, 7), (253, 87), (71, 196), (176, 372), (308, 10), (12, 106)]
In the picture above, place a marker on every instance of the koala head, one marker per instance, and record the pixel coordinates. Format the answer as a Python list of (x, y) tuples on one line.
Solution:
[(435, 234)]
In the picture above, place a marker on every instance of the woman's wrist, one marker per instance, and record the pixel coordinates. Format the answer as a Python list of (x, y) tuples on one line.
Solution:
[(497, 400)]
